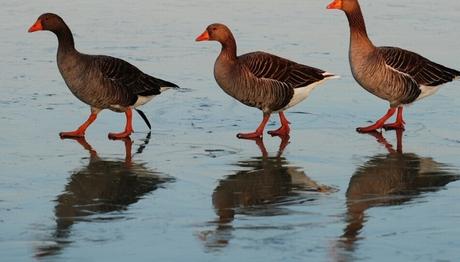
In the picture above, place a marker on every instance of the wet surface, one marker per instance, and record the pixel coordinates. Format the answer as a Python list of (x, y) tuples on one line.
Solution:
[(101, 191), (190, 189)]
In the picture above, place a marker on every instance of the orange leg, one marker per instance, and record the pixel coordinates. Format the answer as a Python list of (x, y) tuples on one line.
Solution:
[(399, 124), (283, 144), (128, 156), (399, 135), (128, 127), (259, 131), (80, 132), (284, 129), (379, 124), (382, 140), (388, 146), (260, 143)]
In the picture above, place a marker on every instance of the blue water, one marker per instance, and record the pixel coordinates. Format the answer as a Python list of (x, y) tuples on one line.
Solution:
[(190, 190)]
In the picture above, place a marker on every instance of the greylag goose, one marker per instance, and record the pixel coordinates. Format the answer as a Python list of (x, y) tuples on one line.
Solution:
[(265, 81), (102, 82), (399, 76)]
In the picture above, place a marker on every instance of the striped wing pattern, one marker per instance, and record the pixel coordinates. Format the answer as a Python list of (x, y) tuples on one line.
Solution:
[(268, 66), (128, 77), (422, 70)]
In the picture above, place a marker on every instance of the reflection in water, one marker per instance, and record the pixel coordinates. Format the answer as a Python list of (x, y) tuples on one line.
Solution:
[(385, 180), (100, 187), (264, 188)]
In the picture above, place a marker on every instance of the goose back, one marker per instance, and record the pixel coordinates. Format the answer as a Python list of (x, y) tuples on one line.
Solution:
[(422, 70)]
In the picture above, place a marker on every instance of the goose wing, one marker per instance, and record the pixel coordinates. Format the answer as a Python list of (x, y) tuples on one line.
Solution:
[(268, 66), (124, 75), (420, 69)]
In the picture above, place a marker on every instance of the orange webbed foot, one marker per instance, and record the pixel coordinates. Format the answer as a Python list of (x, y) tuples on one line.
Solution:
[(72, 134), (252, 135), (282, 131), (121, 135)]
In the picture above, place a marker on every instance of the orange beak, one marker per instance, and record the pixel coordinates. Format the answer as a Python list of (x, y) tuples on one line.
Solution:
[(336, 4), (203, 37), (36, 27)]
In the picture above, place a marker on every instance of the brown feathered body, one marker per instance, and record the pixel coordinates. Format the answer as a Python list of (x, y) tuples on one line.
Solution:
[(393, 74), (262, 80), (103, 82)]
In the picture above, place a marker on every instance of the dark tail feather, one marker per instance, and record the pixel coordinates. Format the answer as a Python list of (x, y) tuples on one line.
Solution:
[(163, 83), (144, 117)]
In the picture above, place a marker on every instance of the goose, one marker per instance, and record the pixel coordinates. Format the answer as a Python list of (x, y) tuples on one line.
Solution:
[(262, 80), (397, 75), (102, 82)]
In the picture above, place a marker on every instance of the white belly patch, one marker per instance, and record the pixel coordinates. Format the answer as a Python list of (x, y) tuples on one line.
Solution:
[(301, 93), (427, 91), (141, 100)]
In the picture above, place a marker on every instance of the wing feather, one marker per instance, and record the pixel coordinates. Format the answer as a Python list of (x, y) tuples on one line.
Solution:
[(126, 76), (422, 70), (266, 66)]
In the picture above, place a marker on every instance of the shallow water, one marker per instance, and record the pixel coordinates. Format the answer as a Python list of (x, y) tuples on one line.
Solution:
[(190, 189)]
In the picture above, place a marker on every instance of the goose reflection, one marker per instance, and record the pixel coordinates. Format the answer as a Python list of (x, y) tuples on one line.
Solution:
[(389, 179), (101, 187), (264, 188)]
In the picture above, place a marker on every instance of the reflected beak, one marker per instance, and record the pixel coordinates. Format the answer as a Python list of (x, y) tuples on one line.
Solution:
[(336, 4), (203, 37), (36, 27)]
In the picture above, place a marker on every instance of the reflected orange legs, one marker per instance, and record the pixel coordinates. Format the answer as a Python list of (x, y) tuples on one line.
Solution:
[(284, 129), (379, 124), (263, 150), (128, 155), (399, 124), (261, 145), (388, 146), (80, 132), (259, 131), (128, 128)]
